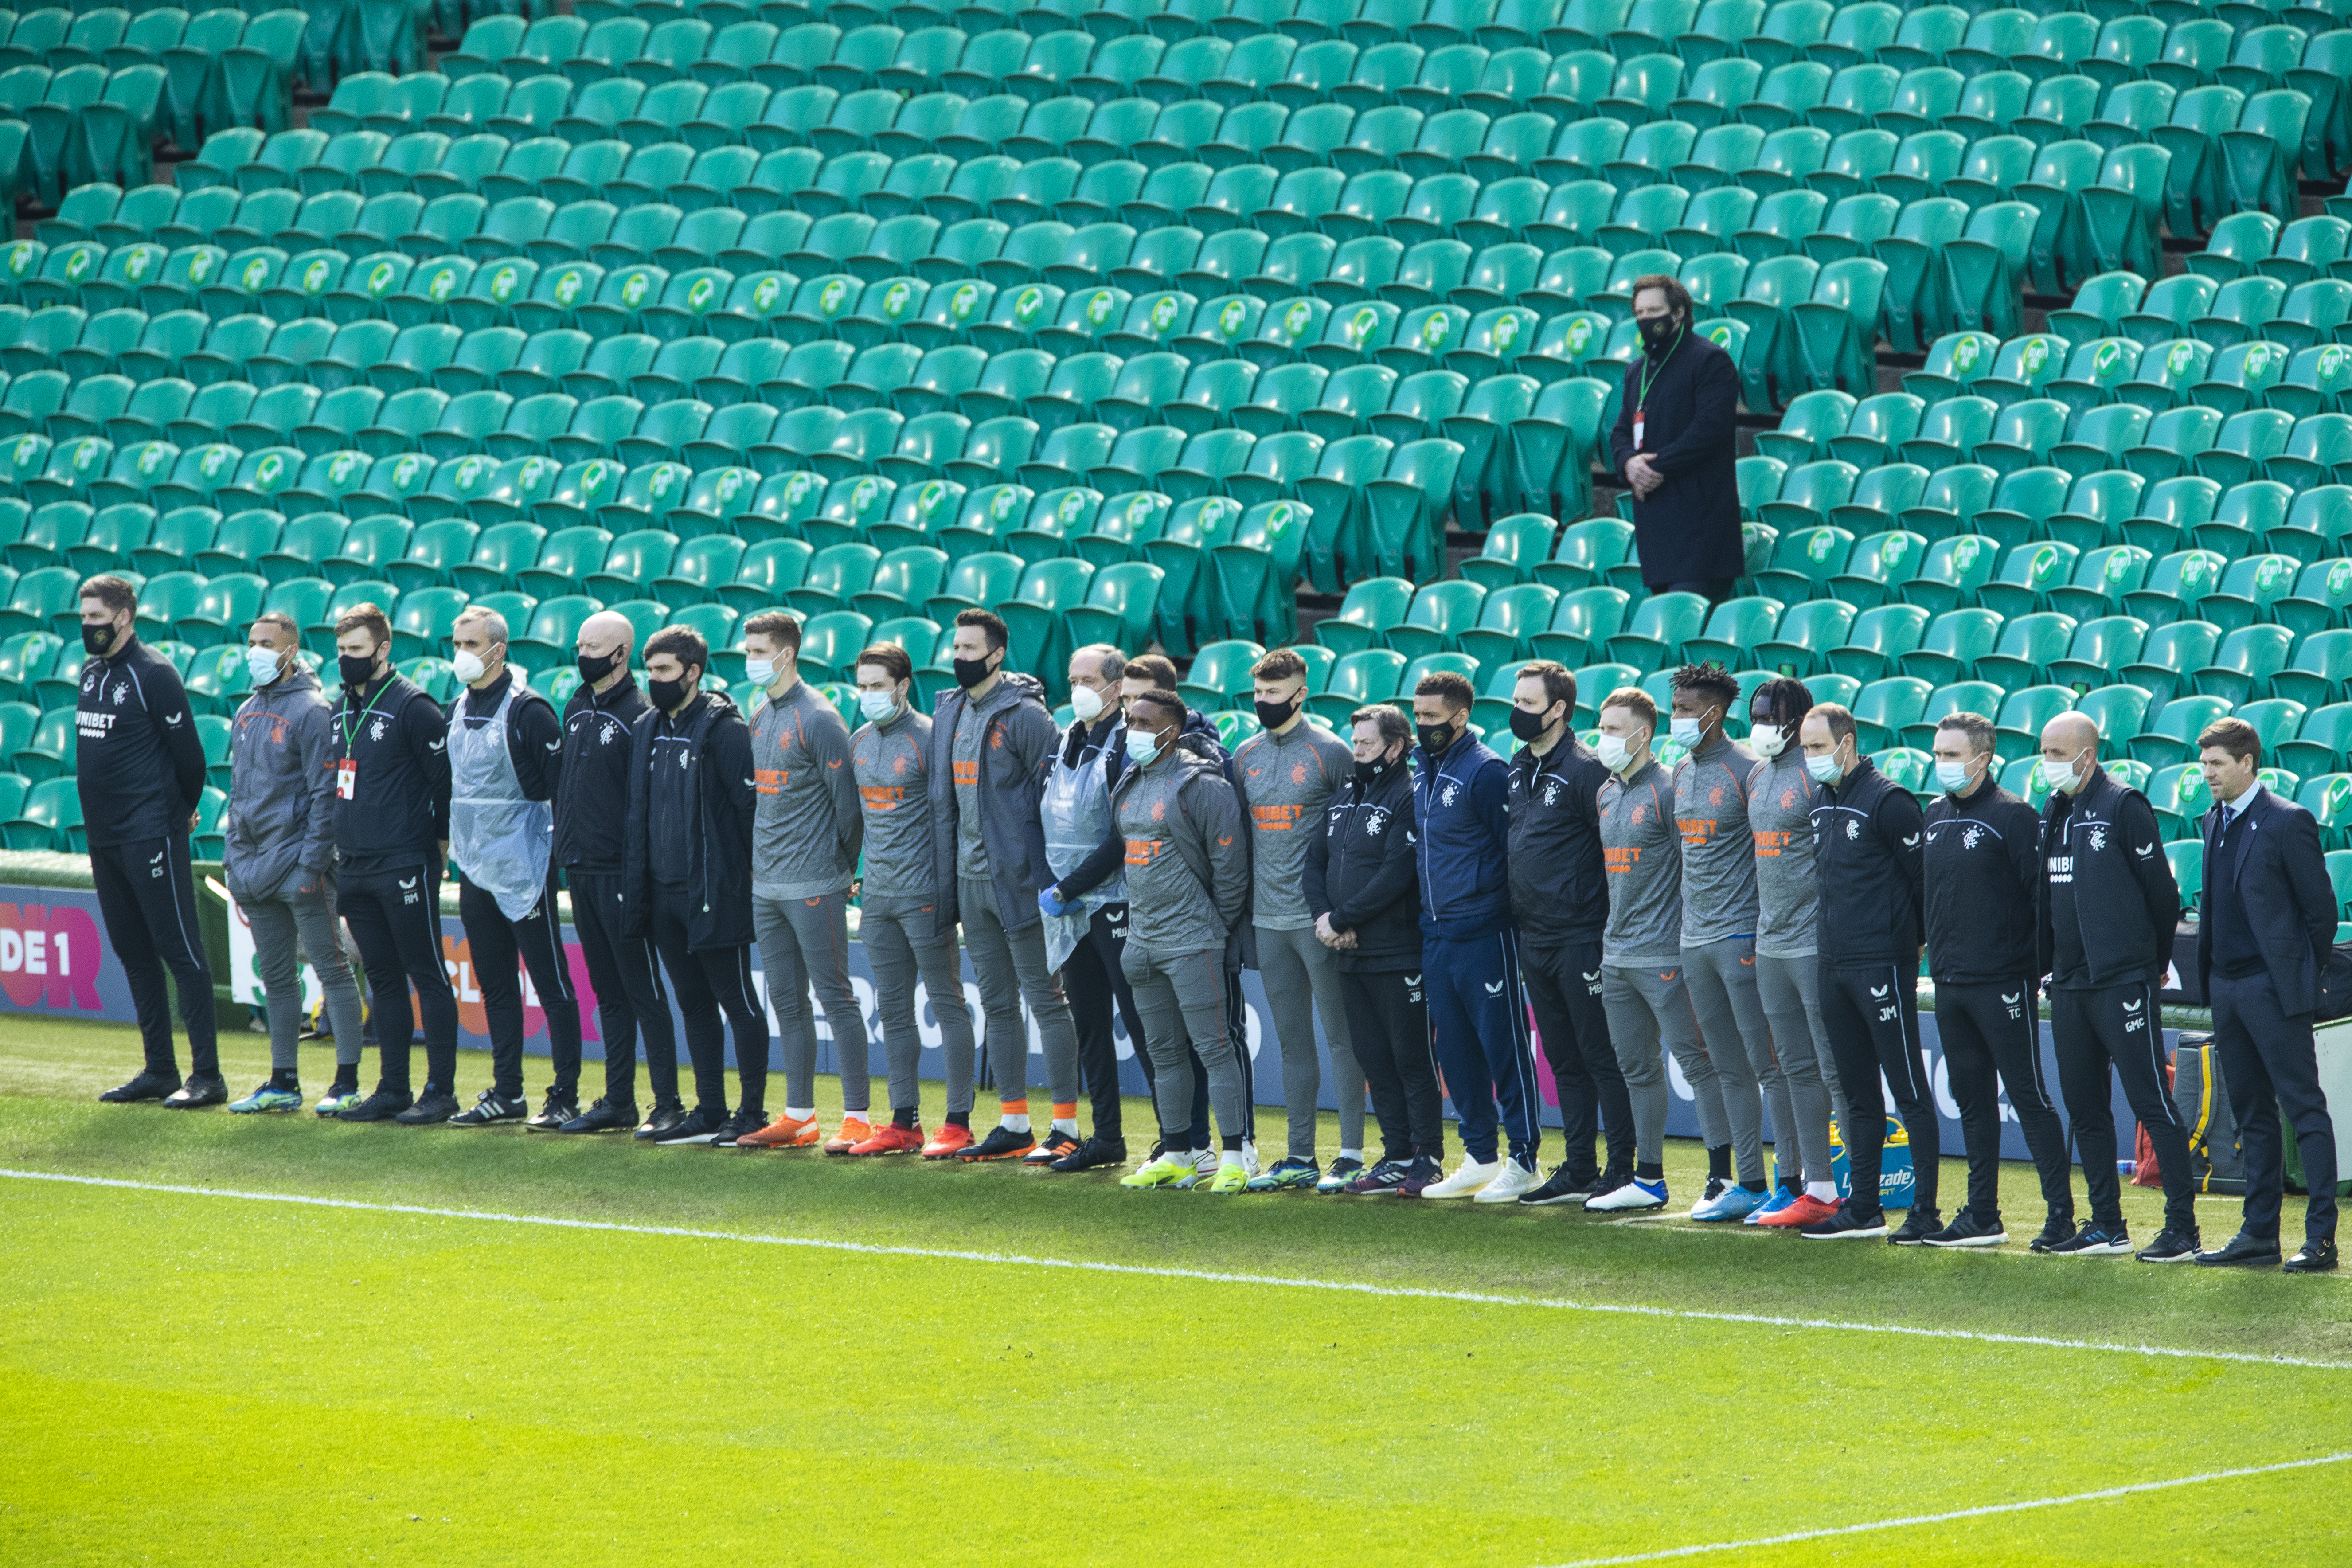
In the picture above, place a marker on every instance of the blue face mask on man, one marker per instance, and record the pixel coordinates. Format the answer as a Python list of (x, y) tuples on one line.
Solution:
[(1143, 745)]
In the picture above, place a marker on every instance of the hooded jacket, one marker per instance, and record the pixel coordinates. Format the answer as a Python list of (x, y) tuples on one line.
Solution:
[(1015, 746), (281, 818), (712, 746), (1188, 863), (1362, 870), (2101, 850)]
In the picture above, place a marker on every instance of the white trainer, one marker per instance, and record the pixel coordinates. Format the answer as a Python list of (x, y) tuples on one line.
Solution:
[(1633, 1195), (1466, 1179), (1507, 1187)]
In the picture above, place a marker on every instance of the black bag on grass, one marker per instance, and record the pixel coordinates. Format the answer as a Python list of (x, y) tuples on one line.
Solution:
[(2203, 1101)]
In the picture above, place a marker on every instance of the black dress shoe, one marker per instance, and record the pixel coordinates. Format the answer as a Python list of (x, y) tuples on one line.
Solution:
[(197, 1093), (2242, 1250), (603, 1116), (2317, 1257), (149, 1085)]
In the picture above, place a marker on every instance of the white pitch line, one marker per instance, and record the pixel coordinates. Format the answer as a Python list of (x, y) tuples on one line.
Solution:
[(1988, 1509), (1204, 1276)]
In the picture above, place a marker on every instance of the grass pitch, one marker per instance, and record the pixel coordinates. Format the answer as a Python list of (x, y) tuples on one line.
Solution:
[(218, 1379)]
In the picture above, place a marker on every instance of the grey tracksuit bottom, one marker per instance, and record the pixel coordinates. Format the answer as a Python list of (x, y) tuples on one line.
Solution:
[(1646, 1003), (1721, 979), (286, 930), (898, 960), (804, 943), (1296, 970), (1182, 996), (1011, 968), (1802, 1098)]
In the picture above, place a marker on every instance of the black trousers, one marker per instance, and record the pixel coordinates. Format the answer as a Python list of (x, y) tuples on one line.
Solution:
[(1992, 1039), (1388, 1019), (1093, 984), (709, 983), (147, 897), (537, 940), (1563, 985), (2118, 1026), (2268, 1058), (1872, 1013), (630, 1000), (395, 919)]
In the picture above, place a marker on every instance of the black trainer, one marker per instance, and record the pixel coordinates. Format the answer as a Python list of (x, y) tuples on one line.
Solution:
[(2057, 1232), (746, 1120), (2316, 1256), (197, 1093), (489, 1108), (1050, 1153), (2241, 1250), (1385, 1179), (667, 1114), (698, 1127), (2170, 1246), (1094, 1154), (149, 1085), (1967, 1230), (2096, 1241), (603, 1116), (1917, 1227), (434, 1106), (1001, 1143), (1845, 1225), (561, 1106), (1563, 1188), (382, 1106)]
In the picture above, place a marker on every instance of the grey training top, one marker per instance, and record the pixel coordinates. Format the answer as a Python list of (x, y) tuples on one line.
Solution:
[(1718, 855), (1284, 781), (807, 829), (894, 792), (972, 854), (1781, 796), (1186, 867), (1642, 851)]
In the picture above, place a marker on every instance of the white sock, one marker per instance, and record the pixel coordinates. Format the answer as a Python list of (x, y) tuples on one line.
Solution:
[(1068, 1124), (1016, 1121), (1355, 1154), (801, 1112), (1823, 1191), (1229, 1157)]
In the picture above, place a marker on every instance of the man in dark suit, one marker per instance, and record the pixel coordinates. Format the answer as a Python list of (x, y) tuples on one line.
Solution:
[(1675, 443), (2268, 923)]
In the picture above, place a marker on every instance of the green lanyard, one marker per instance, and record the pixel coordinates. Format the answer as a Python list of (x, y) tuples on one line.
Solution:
[(1650, 373), (350, 725)]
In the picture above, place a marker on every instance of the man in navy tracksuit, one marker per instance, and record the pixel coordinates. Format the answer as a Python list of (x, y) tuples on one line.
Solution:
[(1461, 798)]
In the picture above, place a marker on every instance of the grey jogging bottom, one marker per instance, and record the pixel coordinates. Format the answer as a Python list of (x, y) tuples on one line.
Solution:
[(1647, 1003), (1011, 968), (897, 959), (804, 943), (1721, 979), (1297, 970), (1802, 1100), (286, 929), (1182, 996)]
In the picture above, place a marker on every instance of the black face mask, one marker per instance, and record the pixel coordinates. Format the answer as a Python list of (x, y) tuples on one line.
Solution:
[(970, 672), (595, 667), (97, 639), (668, 694), (355, 672), (1369, 773), (1275, 715), (1527, 726), (1435, 738), (1657, 332)]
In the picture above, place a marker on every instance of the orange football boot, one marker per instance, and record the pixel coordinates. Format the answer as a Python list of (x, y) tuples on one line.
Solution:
[(853, 1130), (1806, 1210), (891, 1139), (784, 1132), (948, 1142)]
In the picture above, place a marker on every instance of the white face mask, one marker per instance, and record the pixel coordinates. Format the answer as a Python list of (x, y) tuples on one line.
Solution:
[(467, 666), (759, 672), (2059, 776), (1086, 703), (262, 664), (1768, 741), (1613, 753), (877, 705), (1952, 777), (1686, 732), (1825, 770)]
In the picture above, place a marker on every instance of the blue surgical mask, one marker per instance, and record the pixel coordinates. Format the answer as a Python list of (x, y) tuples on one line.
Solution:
[(876, 706), (1825, 770), (1141, 747), (759, 672), (1952, 777), (261, 663)]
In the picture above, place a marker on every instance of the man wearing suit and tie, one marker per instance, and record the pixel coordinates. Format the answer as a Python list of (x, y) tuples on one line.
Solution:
[(2268, 920)]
